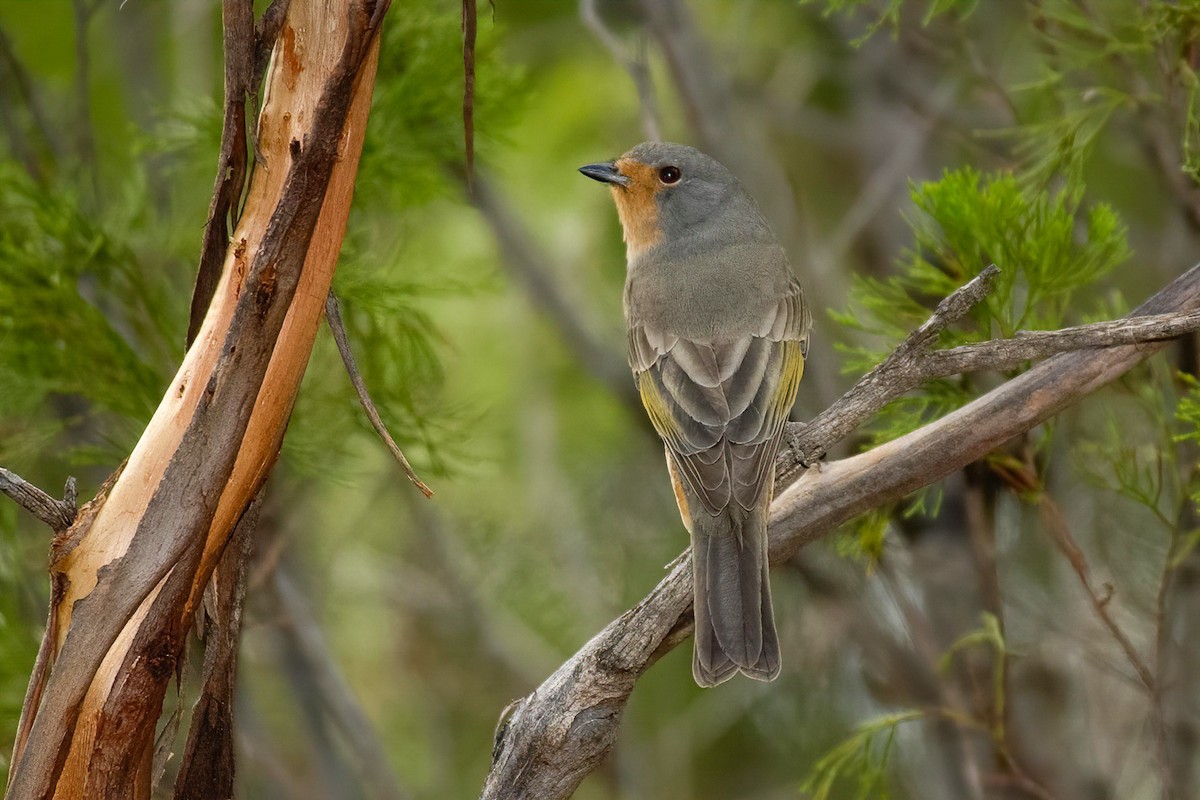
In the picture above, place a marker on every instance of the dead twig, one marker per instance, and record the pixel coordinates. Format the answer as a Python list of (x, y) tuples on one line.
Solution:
[(207, 766), (334, 317), (913, 363), (58, 514)]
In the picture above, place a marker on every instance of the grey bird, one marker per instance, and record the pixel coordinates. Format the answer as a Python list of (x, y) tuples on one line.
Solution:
[(718, 334)]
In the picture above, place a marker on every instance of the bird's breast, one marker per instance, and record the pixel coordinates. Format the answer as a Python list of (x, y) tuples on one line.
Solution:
[(709, 296)]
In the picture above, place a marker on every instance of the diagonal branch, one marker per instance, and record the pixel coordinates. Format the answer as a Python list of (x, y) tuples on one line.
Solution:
[(914, 363), (139, 562), (554, 737), (334, 317)]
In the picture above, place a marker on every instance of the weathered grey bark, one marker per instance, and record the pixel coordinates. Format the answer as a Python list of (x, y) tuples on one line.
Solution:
[(550, 740)]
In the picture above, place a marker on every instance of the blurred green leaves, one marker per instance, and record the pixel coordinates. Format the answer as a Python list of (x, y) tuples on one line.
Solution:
[(857, 768), (75, 315)]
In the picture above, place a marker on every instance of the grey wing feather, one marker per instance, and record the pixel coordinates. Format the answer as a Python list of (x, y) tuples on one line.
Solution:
[(720, 407)]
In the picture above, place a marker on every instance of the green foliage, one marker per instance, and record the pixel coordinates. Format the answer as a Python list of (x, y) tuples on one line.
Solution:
[(859, 763), (888, 15), (75, 315), (1047, 247), (415, 145), (1143, 450), (865, 537)]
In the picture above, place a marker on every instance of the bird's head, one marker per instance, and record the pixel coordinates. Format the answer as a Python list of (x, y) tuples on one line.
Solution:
[(665, 192)]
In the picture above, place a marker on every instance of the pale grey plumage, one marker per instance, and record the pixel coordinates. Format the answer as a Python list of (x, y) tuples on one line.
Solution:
[(718, 331)]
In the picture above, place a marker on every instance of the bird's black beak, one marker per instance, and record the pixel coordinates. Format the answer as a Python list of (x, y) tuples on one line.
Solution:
[(605, 173)]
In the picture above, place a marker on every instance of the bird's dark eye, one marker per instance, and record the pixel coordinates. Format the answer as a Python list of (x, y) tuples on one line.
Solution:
[(669, 174)]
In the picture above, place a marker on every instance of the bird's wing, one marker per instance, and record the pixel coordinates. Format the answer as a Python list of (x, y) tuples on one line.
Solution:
[(721, 407)]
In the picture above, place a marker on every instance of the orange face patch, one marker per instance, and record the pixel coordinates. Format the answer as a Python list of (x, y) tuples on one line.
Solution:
[(637, 206)]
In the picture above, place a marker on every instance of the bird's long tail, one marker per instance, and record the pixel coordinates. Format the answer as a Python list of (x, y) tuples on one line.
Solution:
[(735, 626)]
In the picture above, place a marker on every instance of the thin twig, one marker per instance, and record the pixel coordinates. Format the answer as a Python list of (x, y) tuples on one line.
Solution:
[(58, 514), (807, 443), (470, 24), (635, 65), (334, 317), (1099, 599), (237, 20)]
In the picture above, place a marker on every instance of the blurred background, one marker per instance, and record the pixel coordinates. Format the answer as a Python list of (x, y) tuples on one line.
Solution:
[(1028, 628)]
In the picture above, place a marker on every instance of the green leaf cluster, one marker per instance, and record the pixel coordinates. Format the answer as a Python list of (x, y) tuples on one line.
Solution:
[(858, 765), (1048, 248)]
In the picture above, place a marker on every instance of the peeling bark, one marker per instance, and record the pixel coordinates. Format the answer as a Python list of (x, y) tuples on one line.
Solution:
[(130, 572)]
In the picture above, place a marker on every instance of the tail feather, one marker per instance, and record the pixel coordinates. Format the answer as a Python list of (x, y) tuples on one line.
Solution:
[(735, 625)]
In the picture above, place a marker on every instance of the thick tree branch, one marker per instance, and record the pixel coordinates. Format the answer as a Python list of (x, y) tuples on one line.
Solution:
[(58, 514), (334, 317), (555, 736)]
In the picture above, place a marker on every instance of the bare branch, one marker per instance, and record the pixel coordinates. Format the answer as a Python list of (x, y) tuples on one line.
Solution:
[(334, 317), (807, 443), (1099, 599), (207, 767), (58, 514), (912, 363), (555, 736)]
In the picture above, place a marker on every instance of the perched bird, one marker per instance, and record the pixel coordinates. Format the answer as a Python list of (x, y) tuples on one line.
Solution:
[(718, 333)]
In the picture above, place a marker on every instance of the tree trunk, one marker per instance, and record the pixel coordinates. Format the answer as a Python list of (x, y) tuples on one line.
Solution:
[(128, 575)]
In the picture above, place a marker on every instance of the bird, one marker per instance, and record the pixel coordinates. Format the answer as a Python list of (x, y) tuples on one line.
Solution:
[(718, 333)]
